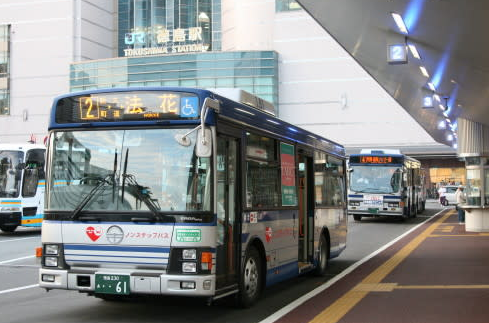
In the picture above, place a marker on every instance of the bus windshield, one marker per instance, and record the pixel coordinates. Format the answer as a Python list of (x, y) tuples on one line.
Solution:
[(375, 179), (10, 174), (127, 170)]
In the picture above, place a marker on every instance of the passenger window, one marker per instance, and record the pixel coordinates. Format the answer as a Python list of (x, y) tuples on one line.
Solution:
[(328, 180), (262, 172)]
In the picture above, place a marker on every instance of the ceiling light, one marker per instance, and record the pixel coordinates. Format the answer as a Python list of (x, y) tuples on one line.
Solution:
[(449, 137), (442, 125), (436, 97), (414, 51), (431, 86), (424, 71), (400, 23)]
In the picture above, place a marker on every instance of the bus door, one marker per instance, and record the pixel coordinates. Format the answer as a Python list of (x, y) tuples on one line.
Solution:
[(306, 209), (227, 211)]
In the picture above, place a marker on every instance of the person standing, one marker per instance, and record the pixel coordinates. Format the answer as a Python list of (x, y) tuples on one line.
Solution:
[(460, 198)]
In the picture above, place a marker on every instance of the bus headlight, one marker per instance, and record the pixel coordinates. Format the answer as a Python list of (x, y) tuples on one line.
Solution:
[(396, 204), (189, 254), (353, 203), (10, 209), (189, 267), (51, 249), (51, 261)]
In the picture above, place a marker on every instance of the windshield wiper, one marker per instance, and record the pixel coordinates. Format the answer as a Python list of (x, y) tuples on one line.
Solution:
[(90, 195), (142, 194)]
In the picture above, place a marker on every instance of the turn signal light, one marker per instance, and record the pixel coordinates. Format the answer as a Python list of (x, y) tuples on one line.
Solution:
[(206, 259)]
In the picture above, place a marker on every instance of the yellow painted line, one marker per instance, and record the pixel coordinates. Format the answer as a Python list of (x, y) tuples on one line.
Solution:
[(459, 235), (350, 299)]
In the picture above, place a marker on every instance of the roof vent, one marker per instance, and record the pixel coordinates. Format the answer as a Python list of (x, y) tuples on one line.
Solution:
[(247, 98)]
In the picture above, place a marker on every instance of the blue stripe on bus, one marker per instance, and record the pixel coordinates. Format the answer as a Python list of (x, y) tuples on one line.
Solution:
[(111, 256), (391, 197), (356, 195), (116, 248), (134, 223), (121, 262), (283, 272)]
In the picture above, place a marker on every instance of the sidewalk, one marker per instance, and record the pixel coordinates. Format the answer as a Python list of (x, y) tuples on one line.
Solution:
[(437, 273)]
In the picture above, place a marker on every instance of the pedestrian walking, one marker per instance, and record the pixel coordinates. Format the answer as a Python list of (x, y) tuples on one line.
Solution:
[(460, 198)]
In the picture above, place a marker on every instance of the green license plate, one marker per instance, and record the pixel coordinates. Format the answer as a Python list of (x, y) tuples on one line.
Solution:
[(373, 210), (112, 284)]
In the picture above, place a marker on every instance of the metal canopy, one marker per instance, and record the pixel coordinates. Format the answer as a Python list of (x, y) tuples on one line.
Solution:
[(450, 37)]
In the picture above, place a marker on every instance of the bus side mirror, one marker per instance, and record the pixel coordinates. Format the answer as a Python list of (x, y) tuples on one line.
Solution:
[(203, 146), (349, 170)]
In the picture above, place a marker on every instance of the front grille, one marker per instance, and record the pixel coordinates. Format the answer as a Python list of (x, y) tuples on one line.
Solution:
[(29, 211)]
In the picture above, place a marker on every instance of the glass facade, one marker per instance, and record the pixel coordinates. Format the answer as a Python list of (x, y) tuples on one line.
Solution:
[(253, 71), (170, 26), (4, 69), (286, 5)]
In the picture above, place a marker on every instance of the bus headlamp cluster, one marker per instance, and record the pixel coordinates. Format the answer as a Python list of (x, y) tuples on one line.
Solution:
[(393, 204), (353, 203), (10, 209), (51, 255)]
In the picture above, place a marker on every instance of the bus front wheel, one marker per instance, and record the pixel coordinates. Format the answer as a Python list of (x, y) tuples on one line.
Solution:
[(8, 228), (251, 278)]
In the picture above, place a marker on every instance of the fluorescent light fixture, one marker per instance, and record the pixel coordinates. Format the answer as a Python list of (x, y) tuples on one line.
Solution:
[(400, 23), (445, 114), (424, 71), (428, 102), (442, 107), (442, 125), (436, 97), (293, 129), (431, 86), (273, 121), (448, 120), (414, 51)]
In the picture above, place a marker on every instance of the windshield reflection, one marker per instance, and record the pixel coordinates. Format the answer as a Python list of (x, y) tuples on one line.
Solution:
[(375, 179), (121, 170), (10, 172)]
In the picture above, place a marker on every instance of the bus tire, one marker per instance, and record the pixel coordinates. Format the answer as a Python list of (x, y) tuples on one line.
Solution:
[(251, 279), (323, 259), (357, 217), (8, 228)]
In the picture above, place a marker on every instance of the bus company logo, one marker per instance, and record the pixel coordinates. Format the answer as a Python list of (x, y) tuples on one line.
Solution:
[(114, 234), (93, 233), (268, 234)]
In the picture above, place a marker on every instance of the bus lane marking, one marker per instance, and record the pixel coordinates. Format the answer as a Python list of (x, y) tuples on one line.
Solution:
[(349, 300), (17, 289), (298, 302), (18, 239), (16, 259)]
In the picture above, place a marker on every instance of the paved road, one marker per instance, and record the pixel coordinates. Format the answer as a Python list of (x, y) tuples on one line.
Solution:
[(18, 269)]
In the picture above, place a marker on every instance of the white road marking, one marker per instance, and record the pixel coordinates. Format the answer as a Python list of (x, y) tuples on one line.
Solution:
[(17, 239), (17, 289), (288, 308), (16, 259)]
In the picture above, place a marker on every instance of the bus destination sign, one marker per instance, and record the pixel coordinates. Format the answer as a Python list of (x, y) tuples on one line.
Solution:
[(127, 106), (376, 159)]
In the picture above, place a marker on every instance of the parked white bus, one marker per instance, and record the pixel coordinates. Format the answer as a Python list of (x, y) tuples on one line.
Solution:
[(180, 191), (385, 183), (22, 182)]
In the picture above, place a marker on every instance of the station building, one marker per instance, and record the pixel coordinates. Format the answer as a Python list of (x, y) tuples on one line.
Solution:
[(272, 49)]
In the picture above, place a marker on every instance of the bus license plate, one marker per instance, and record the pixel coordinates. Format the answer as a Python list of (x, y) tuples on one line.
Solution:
[(373, 210), (112, 284)]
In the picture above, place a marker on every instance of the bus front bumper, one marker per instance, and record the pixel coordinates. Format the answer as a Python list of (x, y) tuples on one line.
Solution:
[(10, 218), (178, 285), (377, 212)]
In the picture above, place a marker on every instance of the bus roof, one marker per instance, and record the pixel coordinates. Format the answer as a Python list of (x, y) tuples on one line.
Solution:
[(244, 114)]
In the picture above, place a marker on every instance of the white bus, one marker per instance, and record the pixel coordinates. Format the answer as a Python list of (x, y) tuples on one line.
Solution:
[(385, 183), (22, 182), (180, 191)]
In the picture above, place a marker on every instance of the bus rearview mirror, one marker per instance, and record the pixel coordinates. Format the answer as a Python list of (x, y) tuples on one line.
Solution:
[(203, 146)]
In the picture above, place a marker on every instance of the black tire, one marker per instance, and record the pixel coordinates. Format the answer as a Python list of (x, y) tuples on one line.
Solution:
[(357, 217), (415, 210), (323, 260), (251, 279), (8, 228), (445, 202)]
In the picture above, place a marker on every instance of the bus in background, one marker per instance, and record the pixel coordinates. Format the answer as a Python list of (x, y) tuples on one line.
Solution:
[(180, 191), (22, 183), (385, 183)]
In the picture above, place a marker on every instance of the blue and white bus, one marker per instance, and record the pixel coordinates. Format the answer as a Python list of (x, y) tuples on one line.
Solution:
[(21, 185), (385, 182), (181, 191)]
